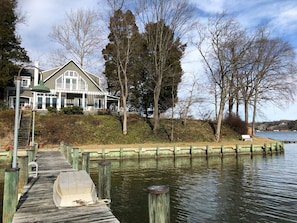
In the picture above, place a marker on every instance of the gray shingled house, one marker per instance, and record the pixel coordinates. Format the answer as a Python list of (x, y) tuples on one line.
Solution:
[(69, 86)]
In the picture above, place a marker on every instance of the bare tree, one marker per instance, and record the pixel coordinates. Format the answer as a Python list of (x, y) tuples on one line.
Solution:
[(273, 72), (247, 69), (79, 37), (175, 14), (190, 99), (220, 48)]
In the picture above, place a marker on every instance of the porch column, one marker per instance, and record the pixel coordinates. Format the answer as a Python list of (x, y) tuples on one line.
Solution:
[(84, 101), (43, 101), (105, 101), (59, 101)]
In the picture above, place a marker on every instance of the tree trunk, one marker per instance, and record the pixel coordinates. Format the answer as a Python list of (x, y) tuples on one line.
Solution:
[(157, 91), (219, 121), (230, 105), (246, 112), (156, 113), (125, 131), (254, 114)]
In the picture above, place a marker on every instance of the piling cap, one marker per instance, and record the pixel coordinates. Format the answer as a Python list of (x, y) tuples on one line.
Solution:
[(105, 163), (11, 169), (158, 189)]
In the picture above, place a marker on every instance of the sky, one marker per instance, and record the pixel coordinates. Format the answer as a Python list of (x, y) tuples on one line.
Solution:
[(279, 15)]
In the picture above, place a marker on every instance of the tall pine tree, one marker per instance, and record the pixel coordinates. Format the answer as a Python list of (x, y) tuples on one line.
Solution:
[(160, 68), (119, 55), (11, 52)]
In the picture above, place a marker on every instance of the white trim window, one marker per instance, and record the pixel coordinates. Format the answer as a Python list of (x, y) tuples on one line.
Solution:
[(25, 82), (98, 103), (71, 81), (46, 100)]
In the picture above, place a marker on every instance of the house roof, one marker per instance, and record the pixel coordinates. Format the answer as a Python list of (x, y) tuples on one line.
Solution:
[(47, 74)]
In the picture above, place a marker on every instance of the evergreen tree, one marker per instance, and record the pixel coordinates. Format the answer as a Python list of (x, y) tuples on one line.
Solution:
[(121, 49), (149, 77), (11, 52), (119, 56)]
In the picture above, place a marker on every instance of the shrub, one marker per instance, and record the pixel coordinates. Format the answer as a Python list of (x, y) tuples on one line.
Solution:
[(75, 110), (52, 109), (235, 123), (103, 112), (3, 105)]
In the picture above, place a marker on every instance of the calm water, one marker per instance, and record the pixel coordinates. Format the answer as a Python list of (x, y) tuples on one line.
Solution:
[(243, 189), (283, 136)]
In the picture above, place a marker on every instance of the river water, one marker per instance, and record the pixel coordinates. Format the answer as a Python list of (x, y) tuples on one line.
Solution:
[(243, 189), (229, 189)]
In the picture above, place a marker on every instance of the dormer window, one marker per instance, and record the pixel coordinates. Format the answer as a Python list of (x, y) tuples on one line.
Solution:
[(25, 82)]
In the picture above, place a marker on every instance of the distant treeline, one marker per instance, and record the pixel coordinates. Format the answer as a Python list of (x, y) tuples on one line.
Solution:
[(288, 125)]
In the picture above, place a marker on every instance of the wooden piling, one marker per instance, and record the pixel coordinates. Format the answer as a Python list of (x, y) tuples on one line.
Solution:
[(86, 161), (266, 148), (30, 154), (159, 204), (236, 149), (23, 173), (104, 175), (68, 154), (75, 158), (174, 151), (139, 152), (10, 195), (206, 150), (277, 147), (121, 153), (63, 149), (36, 147)]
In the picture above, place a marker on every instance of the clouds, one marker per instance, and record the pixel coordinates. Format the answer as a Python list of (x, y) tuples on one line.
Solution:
[(280, 15), (40, 17)]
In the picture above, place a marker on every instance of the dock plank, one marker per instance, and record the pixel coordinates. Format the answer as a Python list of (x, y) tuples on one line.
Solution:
[(36, 203)]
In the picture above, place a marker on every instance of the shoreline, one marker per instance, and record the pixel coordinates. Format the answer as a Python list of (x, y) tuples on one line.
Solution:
[(255, 140)]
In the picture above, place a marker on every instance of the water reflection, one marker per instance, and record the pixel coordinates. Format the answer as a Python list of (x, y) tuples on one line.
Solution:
[(215, 189)]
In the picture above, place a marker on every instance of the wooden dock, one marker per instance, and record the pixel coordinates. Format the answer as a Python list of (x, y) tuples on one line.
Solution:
[(36, 202)]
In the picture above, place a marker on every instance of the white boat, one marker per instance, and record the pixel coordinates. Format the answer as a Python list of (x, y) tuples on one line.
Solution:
[(74, 188)]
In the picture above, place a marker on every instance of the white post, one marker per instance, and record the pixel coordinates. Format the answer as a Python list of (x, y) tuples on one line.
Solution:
[(59, 101), (35, 82), (84, 101), (33, 127), (16, 122), (105, 101)]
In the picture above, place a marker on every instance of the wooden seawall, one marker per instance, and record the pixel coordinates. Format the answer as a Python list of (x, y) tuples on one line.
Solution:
[(36, 202), (186, 151)]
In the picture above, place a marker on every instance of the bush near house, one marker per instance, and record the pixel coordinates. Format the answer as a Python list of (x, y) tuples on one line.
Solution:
[(75, 110), (52, 109)]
